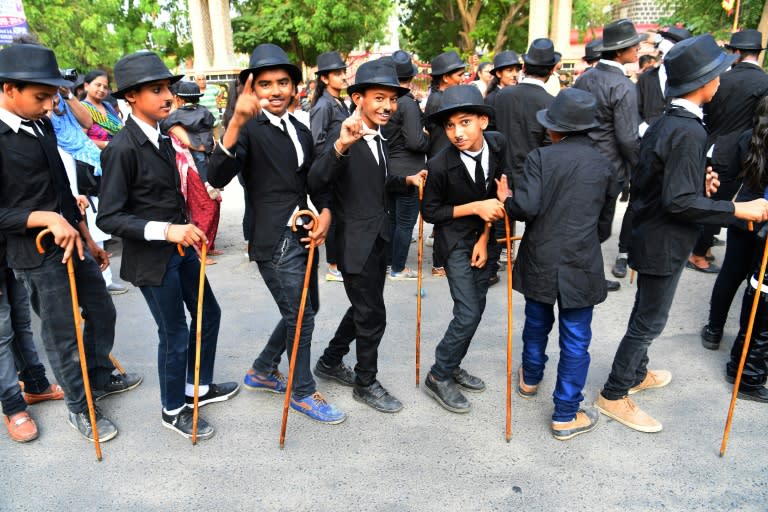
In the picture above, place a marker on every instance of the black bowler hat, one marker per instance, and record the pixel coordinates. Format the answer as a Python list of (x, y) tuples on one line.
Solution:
[(619, 34), (404, 65), (749, 39), (377, 73), (188, 90), (541, 53), (31, 63), (268, 55), (573, 110), (461, 98), (505, 59), (445, 63), (591, 50), (692, 63), (140, 68), (676, 34), (329, 61)]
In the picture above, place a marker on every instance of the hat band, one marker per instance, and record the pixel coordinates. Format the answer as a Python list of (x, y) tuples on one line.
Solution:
[(700, 72)]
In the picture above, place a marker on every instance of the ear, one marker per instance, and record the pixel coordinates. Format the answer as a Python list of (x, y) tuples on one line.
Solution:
[(484, 120), (130, 97), (9, 89), (325, 79), (357, 98)]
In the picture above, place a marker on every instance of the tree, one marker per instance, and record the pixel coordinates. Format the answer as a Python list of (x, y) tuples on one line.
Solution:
[(589, 15), (307, 28), (95, 34), (702, 16)]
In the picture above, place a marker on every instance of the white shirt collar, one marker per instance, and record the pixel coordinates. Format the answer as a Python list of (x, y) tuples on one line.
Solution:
[(369, 136), (750, 62), (468, 157), (275, 120), (152, 132), (689, 106), (533, 81), (614, 64), (13, 121)]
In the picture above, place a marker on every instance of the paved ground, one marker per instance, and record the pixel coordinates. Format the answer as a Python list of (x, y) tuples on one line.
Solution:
[(423, 458)]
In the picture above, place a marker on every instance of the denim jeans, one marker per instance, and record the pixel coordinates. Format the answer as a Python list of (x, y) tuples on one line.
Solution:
[(646, 322), (366, 320), (201, 164), (575, 336), (403, 212), (284, 276), (469, 286), (176, 349), (50, 297), (14, 312)]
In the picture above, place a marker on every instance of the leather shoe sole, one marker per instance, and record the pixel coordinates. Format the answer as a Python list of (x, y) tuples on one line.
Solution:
[(711, 269), (754, 395), (431, 390)]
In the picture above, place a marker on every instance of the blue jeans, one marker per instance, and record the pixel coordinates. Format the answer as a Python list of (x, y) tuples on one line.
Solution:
[(176, 350), (403, 212), (284, 276), (575, 335), (646, 322), (201, 163), (50, 297), (469, 286), (14, 312)]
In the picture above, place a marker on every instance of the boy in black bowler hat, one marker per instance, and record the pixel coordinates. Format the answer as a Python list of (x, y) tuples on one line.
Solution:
[(460, 200), (274, 151), (561, 194), (670, 198), (356, 166), (35, 194), (143, 204)]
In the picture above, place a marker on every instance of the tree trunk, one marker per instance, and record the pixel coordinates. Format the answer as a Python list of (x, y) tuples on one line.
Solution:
[(469, 10), (763, 28), (501, 35)]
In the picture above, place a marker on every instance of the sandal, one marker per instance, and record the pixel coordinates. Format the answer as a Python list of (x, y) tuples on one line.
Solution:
[(21, 427), (54, 392), (215, 252)]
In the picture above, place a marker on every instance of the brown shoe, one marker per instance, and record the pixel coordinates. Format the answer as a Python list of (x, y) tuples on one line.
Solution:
[(54, 392), (653, 379), (625, 411), (21, 427), (585, 421), (523, 389), (438, 271)]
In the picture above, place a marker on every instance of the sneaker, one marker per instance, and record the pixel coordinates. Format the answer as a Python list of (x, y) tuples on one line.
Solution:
[(274, 381), (216, 393), (404, 275), (21, 427), (711, 338), (503, 256), (116, 289), (438, 271), (585, 421), (468, 382), (377, 397), (620, 267), (54, 392), (523, 389), (118, 383), (626, 412), (316, 407), (653, 379), (341, 373), (82, 423), (446, 393), (181, 423), (333, 274)]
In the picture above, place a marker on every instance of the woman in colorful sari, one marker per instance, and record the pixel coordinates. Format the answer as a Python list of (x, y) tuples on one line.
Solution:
[(106, 121)]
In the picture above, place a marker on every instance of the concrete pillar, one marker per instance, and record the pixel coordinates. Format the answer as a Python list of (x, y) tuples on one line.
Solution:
[(200, 26), (538, 20), (561, 25), (221, 34)]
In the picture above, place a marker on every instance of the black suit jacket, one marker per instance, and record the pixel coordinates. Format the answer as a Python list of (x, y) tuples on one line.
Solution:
[(359, 204), (140, 184), (650, 97), (449, 185), (275, 183), (405, 136)]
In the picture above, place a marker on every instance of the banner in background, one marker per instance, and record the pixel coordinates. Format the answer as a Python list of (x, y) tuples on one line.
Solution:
[(12, 20)]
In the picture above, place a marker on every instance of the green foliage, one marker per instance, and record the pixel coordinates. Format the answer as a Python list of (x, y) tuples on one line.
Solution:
[(590, 14), (96, 33), (702, 16), (307, 28)]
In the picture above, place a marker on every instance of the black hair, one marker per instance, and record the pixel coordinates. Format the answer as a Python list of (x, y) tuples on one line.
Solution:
[(537, 71), (493, 85), (435, 83), (93, 75), (482, 66), (609, 54), (319, 89), (15, 83), (645, 59), (748, 53), (754, 164)]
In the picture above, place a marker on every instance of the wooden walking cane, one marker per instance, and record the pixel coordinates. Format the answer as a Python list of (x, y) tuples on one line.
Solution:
[(418, 283), (116, 364), (77, 317), (198, 340), (745, 348), (508, 430), (297, 334)]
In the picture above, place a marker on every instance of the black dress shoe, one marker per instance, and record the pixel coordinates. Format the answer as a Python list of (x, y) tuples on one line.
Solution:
[(620, 267), (494, 279), (755, 395), (612, 286), (711, 269), (447, 394), (341, 373), (377, 397), (710, 338), (467, 381)]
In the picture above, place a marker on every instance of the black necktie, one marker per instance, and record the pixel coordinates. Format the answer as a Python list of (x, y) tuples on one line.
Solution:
[(33, 126), (285, 126), (382, 162), (479, 174)]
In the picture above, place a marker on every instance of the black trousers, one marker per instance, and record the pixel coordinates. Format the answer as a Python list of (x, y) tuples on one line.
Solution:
[(740, 254), (365, 320)]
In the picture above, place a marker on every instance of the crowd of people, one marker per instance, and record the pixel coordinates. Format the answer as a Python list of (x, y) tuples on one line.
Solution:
[(684, 145)]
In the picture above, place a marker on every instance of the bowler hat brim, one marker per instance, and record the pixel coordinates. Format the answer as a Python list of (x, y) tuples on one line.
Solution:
[(120, 94), (448, 70), (530, 62), (34, 78), (329, 69), (362, 86), (620, 45), (441, 115), (542, 116), (710, 72), (293, 71)]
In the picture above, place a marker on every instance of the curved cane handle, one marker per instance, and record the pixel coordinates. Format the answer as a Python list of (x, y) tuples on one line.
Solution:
[(298, 214), (39, 240)]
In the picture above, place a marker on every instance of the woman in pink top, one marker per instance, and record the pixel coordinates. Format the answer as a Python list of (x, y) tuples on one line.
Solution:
[(106, 121)]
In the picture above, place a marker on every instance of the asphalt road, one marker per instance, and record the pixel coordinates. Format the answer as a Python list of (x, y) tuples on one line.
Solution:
[(423, 458)]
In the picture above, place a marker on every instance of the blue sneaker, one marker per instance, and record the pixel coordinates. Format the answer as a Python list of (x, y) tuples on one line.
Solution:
[(274, 381), (315, 407)]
